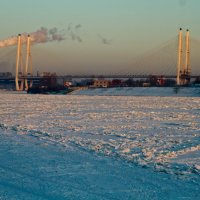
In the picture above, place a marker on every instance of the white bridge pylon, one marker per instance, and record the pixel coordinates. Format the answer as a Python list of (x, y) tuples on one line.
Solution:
[(23, 71), (183, 65)]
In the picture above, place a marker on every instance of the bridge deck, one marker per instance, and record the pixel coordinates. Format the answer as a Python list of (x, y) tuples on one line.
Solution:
[(93, 76)]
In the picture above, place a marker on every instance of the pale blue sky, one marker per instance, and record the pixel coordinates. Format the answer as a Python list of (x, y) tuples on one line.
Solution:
[(113, 32)]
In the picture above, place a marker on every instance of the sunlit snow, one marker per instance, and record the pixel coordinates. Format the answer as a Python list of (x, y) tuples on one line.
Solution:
[(153, 133)]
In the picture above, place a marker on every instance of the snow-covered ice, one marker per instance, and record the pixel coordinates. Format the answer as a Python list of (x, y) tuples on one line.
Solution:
[(99, 147)]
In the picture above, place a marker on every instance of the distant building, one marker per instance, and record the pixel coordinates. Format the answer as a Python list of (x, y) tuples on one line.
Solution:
[(117, 83), (48, 79), (67, 83), (48, 74), (6, 82), (5, 74), (157, 80), (146, 84), (102, 83), (161, 81)]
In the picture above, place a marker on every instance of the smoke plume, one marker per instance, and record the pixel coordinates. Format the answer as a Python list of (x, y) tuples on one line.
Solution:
[(8, 42), (105, 40), (182, 2), (73, 32), (42, 35)]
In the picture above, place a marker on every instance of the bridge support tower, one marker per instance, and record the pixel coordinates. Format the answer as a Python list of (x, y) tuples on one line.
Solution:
[(23, 73), (183, 64)]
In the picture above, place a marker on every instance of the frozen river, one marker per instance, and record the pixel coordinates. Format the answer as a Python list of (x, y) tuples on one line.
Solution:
[(99, 147)]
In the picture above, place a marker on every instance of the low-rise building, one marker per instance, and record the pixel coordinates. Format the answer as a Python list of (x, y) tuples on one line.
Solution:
[(5, 74), (101, 83)]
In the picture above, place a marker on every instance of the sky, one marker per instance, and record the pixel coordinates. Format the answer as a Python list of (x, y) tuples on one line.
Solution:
[(101, 36)]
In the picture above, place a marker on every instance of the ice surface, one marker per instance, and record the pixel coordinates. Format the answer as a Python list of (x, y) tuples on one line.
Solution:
[(142, 91), (58, 146)]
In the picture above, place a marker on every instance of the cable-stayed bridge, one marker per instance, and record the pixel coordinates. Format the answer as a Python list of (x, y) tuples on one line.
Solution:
[(172, 59)]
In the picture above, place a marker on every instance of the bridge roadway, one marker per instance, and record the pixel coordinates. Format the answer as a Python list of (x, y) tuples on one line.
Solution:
[(37, 78)]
